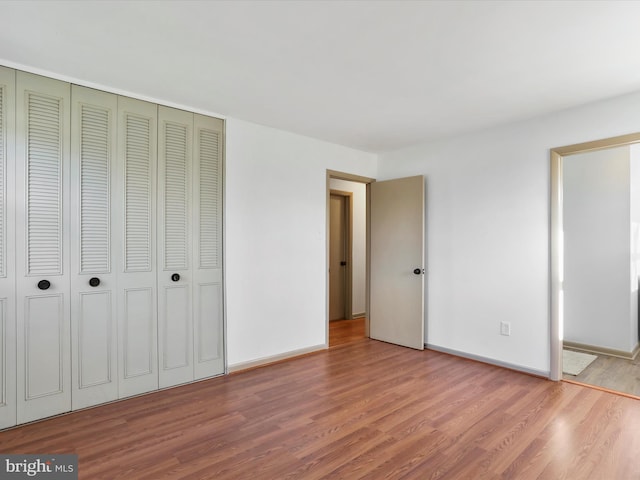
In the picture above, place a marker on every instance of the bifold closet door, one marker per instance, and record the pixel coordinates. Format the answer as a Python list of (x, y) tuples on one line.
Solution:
[(42, 253), (207, 258), (136, 277), (7, 249), (93, 279), (175, 325), (190, 319)]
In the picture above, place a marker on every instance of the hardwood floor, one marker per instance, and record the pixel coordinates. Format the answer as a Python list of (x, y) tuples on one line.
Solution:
[(613, 373), (365, 409), (346, 331)]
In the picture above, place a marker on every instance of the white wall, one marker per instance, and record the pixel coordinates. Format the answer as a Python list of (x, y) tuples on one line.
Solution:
[(487, 231), (276, 238), (596, 248), (358, 241), (488, 228)]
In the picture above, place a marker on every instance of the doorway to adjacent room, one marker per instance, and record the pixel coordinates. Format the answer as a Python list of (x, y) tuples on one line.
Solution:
[(340, 261)]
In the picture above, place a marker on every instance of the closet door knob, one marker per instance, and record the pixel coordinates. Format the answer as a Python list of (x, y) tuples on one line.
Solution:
[(175, 277), (94, 281), (44, 284), (417, 271)]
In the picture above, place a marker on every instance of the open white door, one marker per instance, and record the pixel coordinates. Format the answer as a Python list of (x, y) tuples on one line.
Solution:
[(397, 262)]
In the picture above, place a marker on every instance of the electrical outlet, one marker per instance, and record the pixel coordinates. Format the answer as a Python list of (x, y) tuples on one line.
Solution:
[(505, 328)]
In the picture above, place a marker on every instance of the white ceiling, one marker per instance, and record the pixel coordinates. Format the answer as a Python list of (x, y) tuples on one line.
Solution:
[(373, 75)]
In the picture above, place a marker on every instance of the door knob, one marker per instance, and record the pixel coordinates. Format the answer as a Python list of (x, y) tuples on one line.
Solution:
[(44, 284), (94, 281), (175, 277), (418, 271)]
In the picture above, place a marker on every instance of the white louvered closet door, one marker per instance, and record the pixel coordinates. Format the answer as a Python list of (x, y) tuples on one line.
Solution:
[(93, 279), (175, 326), (42, 253), (7, 249), (136, 211), (207, 259)]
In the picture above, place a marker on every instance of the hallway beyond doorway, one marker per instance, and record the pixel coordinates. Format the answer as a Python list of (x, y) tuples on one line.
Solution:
[(346, 331)]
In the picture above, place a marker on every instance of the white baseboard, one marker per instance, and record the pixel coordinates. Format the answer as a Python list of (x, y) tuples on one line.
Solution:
[(603, 350), (260, 362), (491, 361)]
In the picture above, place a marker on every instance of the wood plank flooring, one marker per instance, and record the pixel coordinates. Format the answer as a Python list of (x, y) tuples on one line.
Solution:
[(364, 409), (346, 331), (612, 373)]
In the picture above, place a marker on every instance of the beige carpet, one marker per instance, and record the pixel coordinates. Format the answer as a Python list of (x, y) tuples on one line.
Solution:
[(574, 363)]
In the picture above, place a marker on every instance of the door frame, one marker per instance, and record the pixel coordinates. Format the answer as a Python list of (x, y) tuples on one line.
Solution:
[(367, 181), (556, 240), (348, 233)]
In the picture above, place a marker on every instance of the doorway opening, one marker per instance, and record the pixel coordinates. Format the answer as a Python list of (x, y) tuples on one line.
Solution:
[(340, 255), (390, 287), (594, 268), (347, 278)]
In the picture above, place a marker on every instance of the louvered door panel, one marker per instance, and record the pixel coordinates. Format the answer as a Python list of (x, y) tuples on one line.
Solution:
[(136, 213), (93, 280), (207, 274), (44, 184), (94, 137), (138, 198), (7, 249), (175, 158), (175, 328), (210, 197), (42, 234)]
